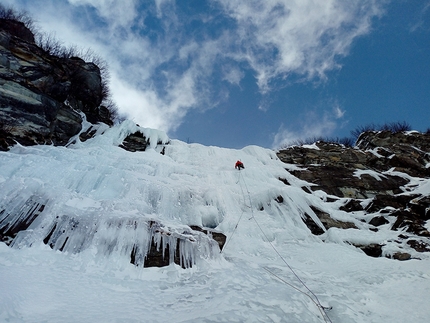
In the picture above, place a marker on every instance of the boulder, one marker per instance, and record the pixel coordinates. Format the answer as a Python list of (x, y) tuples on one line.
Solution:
[(327, 221), (135, 142)]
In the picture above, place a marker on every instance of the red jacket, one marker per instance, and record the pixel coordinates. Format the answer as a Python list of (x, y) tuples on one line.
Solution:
[(238, 164)]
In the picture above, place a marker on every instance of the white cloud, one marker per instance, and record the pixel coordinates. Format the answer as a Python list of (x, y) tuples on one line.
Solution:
[(304, 36), (233, 74), (160, 3), (143, 107), (117, 13), (422, 19), (338, 112), (146, 108), (284, 137), (313, 125), (159, 74)]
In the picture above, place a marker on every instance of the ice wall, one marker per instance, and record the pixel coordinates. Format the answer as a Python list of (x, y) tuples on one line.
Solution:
[(94, 195), (134, 238)]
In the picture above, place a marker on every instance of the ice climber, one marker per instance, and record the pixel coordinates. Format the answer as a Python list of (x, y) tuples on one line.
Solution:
[(239, 165)]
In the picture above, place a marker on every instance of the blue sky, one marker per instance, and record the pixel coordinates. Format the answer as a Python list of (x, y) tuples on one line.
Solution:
[(232, 73)]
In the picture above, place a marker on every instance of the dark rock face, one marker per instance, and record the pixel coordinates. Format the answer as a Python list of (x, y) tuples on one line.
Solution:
[(18, 29), (135, 142), (216, 235), (408, 153), (41, 95), (372, 250), (333, 168), (159, 257), (372, 178)]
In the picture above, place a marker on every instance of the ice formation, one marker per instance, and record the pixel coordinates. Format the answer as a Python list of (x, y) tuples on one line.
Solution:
[(93, 195), (105, 207)]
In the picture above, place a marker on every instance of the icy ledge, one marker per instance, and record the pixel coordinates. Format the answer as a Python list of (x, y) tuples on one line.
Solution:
[(139, 240)]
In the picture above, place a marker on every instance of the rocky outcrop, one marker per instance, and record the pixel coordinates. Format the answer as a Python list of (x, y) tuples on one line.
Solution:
[(18, 29), (157, 256), (42, 97), (405, 152), (135, 142), (373, 179)]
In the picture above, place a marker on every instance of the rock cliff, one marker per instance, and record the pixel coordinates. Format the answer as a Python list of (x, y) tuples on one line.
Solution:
[(43, 97), (373, 183)]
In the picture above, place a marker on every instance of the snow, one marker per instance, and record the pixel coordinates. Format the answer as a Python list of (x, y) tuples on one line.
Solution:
[(312, 146), (104, 197), (375, 152), (359, 172), (427, 225)]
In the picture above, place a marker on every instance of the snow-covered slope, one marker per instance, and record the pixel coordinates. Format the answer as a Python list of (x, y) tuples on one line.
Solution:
[(272, 269)]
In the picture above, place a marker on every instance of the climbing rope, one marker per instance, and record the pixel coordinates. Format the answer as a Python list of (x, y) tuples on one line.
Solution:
[(314, 299), (321, 308), (235, 227), (231, 236)]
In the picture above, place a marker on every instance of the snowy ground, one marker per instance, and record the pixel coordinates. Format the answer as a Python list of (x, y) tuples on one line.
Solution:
[(192, 184)]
